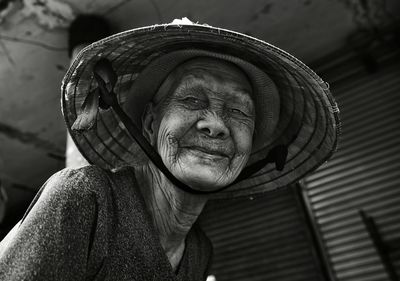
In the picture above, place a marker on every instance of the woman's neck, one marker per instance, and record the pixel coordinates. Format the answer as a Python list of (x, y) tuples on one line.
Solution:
[(172, 210)]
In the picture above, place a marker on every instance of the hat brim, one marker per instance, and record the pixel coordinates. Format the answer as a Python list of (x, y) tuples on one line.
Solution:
[(308, 122)]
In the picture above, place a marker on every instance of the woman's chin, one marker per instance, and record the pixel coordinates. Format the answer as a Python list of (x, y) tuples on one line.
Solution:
[(204, 180), (205, 173)]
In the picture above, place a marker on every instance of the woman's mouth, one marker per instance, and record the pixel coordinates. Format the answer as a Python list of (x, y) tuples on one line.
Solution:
[(215, 153)]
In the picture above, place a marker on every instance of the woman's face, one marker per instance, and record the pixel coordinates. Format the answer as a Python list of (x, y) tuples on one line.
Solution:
[(203, 130)]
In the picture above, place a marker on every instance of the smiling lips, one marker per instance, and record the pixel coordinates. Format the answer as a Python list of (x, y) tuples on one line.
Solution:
[(220, 152)]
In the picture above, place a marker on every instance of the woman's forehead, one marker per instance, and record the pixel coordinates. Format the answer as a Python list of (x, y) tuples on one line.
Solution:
[(209, 73), (218, 68), (216, 71), (204, 81)]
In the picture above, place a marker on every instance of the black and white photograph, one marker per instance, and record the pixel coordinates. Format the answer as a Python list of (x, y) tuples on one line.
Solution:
[(182, 140)]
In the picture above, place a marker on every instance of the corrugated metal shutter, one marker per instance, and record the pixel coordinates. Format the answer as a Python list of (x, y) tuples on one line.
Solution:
[(265, 238), (364, 174)]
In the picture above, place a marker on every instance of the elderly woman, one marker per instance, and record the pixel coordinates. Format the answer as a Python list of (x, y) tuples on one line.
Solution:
[(170, 116)]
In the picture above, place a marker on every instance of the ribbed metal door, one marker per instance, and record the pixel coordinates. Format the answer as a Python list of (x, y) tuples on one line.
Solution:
[(364, 174), (265, 238)]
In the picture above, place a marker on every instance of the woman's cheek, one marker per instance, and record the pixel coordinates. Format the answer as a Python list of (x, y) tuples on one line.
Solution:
[(243, 139), (171, 130), (167, 146)]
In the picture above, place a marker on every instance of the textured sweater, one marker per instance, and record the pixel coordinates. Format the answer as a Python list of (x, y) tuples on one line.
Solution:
[(92, 224)]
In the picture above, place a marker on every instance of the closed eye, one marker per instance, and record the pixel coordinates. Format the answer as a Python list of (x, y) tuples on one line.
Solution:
[(192, 100), (238, 111)]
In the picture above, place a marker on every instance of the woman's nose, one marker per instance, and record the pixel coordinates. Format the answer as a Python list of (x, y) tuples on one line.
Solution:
[(213, 126)]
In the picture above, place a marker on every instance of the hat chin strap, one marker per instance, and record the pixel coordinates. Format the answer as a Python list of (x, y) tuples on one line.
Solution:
[(107, 78)]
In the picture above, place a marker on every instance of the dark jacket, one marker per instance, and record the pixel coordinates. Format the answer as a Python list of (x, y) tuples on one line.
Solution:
[(92, 224)]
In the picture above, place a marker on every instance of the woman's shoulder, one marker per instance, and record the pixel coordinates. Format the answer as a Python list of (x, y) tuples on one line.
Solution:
[(83, 178), (89, 180), (76, 184), (71, 189), (86, 172)]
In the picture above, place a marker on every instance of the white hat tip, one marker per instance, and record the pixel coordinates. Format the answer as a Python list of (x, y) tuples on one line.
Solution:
[(181, 21)]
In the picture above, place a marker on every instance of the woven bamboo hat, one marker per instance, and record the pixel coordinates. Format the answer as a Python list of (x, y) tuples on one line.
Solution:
[(294, 107)]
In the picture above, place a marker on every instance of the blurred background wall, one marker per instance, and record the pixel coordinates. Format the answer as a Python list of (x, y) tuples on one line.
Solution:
[(310, 231)]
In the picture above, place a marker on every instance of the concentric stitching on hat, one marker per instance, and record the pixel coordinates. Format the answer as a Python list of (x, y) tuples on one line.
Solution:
[(295, 155), (307, 70)]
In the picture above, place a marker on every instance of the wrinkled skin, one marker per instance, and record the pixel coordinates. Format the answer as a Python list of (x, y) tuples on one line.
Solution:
[(201, 122), (203, 130)]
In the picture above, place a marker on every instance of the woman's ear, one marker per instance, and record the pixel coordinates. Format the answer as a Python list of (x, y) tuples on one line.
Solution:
[(148, 124)]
